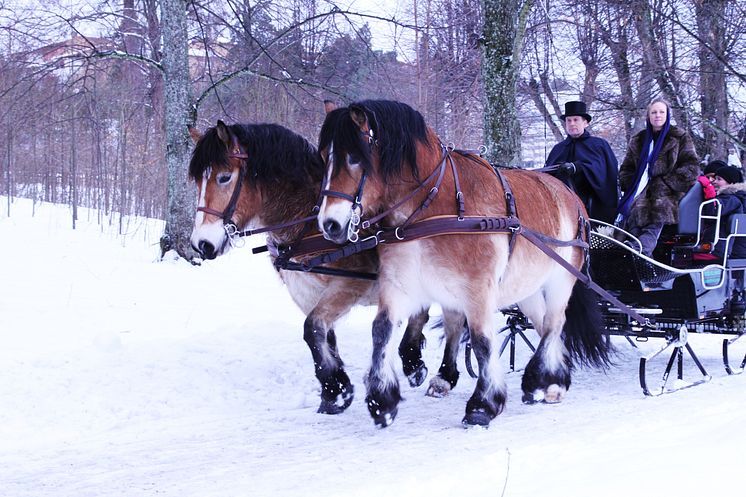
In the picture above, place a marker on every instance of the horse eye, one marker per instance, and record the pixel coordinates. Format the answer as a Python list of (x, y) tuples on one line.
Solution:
[(353, 159), (224, 178)]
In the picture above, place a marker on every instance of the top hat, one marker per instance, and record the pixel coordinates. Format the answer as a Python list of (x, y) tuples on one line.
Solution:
[(576, 108)]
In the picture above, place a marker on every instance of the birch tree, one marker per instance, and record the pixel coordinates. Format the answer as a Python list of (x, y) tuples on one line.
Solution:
[(503, 35), (711, 27), (181, 196)]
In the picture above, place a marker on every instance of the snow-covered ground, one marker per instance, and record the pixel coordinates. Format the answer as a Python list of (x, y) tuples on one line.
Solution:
[(123, 376)]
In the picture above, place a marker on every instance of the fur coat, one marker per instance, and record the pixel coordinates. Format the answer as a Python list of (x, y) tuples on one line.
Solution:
[(674, 172)]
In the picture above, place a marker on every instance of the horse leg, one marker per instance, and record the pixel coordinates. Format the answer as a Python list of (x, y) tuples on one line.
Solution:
[(547, 374), (383, 394), (337, 391), (410, 349), (490, 394), (447, 377)]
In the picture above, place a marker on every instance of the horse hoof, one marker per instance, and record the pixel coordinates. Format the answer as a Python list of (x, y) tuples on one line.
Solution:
[(417, 377), (381, 417), (339, 404), (554, 394), (479, 417), (533, 397), (386, 419), (438, 388)]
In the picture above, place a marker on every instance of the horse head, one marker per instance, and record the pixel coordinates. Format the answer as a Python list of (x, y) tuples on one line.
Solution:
[(219, 166), (370, 149), (250, 176)]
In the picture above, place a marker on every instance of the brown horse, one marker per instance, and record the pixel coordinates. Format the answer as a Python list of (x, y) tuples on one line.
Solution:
[(386, 167), (254, 176)]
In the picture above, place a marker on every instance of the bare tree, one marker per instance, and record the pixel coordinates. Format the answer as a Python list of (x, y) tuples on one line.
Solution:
[(711, 25), (503, 34)]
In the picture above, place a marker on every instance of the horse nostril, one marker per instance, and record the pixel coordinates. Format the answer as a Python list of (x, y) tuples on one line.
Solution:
[(206, 249), (332, 228)]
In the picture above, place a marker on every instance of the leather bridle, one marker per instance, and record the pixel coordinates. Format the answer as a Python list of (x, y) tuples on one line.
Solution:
[(236, 152)]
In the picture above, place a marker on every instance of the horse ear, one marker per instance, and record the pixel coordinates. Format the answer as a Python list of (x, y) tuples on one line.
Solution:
[(330, 105), (194, 133), (224, 133), (359, 118)]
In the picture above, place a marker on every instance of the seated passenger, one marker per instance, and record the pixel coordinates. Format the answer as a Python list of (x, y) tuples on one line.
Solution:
[(731, 193), (708, 174), (660, 166)]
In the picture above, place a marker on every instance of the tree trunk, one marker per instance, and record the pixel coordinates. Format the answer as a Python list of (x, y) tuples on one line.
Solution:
[(503, 35), (73, 168), (654, 59), (712, 84), (534, 89), (9, 144), (181, 198)]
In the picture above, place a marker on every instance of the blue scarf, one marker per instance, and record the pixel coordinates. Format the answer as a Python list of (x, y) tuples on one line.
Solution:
[(643, 162)]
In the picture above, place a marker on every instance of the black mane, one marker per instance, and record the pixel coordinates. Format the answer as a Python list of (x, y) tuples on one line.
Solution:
[(397, 128), (275, 153)]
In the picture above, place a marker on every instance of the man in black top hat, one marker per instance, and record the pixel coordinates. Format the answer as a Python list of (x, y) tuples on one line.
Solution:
[(587, 164)]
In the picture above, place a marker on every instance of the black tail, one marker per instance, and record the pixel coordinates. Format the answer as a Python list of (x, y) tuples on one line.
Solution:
[(583, 332)]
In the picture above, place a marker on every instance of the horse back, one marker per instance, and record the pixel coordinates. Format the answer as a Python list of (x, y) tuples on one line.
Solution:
[(544, 203)]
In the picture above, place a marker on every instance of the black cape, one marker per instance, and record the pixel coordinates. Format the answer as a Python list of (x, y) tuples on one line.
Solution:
[(596, 173)]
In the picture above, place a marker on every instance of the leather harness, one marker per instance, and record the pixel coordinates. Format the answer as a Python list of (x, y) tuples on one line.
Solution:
[(409, 230)]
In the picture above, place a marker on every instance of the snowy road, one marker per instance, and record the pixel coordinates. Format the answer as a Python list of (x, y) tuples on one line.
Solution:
[(120, 376)]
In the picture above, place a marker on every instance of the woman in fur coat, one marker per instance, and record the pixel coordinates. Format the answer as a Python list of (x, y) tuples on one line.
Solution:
[(660, 166)]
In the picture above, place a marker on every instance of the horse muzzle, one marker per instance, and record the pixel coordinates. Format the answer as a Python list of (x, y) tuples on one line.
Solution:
[(206, 249), (209, 240), (334, 231)]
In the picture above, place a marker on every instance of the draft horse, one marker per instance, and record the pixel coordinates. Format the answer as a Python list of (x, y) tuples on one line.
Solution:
[(436, 214), (259, 176)]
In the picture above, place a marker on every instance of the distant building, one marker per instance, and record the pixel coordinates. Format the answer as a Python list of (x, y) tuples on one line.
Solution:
[(70, 56)]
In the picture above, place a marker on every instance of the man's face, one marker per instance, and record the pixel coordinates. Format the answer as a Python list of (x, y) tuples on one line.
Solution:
[(575, 125)]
